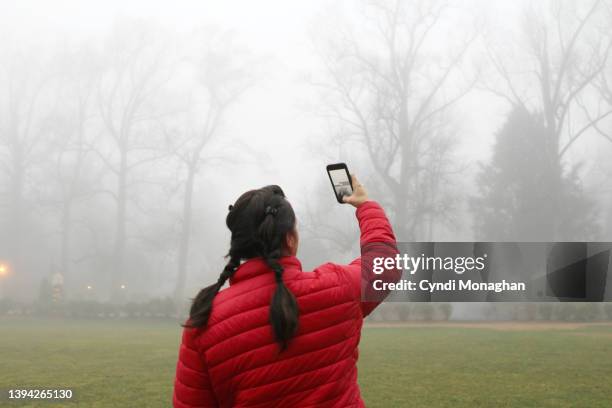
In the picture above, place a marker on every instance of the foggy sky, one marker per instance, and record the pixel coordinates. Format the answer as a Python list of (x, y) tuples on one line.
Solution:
[(289, 144), (271, 116)]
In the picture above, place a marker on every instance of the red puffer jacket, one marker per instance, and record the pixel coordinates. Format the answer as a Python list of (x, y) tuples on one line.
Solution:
[(235, 361)]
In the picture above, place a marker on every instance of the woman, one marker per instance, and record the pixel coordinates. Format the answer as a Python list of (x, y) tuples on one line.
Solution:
[(278, 336)]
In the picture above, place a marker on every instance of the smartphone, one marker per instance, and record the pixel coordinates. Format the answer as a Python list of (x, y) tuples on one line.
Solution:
[(341, 180)]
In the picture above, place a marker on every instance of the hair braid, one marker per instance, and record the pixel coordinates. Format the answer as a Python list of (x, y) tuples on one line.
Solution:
[(283, 307), (202, 303)]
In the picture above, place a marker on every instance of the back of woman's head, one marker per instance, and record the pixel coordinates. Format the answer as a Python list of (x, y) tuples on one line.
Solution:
[(259, 221)]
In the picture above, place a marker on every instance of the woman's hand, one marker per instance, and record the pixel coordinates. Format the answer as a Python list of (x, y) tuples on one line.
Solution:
[(359, 196)]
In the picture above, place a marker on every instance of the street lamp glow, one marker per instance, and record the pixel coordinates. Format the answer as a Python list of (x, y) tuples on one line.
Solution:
[(122, 286), (3, 270), (88, 287)]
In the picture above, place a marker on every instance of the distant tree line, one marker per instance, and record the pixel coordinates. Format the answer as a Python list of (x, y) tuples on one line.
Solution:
[(549, 311), (102, 143)]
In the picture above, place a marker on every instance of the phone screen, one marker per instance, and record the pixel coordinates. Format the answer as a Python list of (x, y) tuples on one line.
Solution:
[(341, 183)]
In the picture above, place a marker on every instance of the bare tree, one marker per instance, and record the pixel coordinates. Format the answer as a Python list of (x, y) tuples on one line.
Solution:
[(392, 90), (69, 144), (222, 74), (24, 82), (138, 67)]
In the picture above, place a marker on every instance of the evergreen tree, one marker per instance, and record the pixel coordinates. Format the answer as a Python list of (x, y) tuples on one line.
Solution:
[(518, 189)]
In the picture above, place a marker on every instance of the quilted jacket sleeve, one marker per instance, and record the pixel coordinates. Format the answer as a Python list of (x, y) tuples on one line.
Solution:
[(377, 239), (192, 386)]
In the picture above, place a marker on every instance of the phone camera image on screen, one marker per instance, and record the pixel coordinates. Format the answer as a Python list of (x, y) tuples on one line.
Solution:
[(341, 182)]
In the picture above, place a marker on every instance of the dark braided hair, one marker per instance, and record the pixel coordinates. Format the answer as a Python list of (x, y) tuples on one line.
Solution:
[(259, 222)]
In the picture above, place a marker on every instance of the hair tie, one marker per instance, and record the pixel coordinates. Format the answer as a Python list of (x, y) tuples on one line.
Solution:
[(271, 210), (230, 207)]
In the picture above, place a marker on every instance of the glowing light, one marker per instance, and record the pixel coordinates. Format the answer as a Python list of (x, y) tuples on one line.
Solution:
[(122, 286), (88, 287), (3, 270)]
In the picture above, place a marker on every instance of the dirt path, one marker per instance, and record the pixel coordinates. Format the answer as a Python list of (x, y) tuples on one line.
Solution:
[(496, 325)]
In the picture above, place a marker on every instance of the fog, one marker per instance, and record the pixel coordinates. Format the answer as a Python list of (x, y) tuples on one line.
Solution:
[(127, 128)]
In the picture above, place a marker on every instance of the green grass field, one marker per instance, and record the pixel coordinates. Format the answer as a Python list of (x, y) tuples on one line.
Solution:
[(131, 364)]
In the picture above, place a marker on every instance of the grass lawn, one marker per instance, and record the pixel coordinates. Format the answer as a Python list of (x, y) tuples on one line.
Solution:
[(131, 364)]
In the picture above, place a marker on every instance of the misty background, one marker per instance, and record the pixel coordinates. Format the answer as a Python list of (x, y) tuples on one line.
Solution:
[(127, 128)]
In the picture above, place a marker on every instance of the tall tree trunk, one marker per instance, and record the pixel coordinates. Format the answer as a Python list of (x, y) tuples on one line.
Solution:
[(70, 198), (609, 220), (401, 195), (15, 232), (16, 212), (553, 165), (118, 264), (185, 237), (66, 237)]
